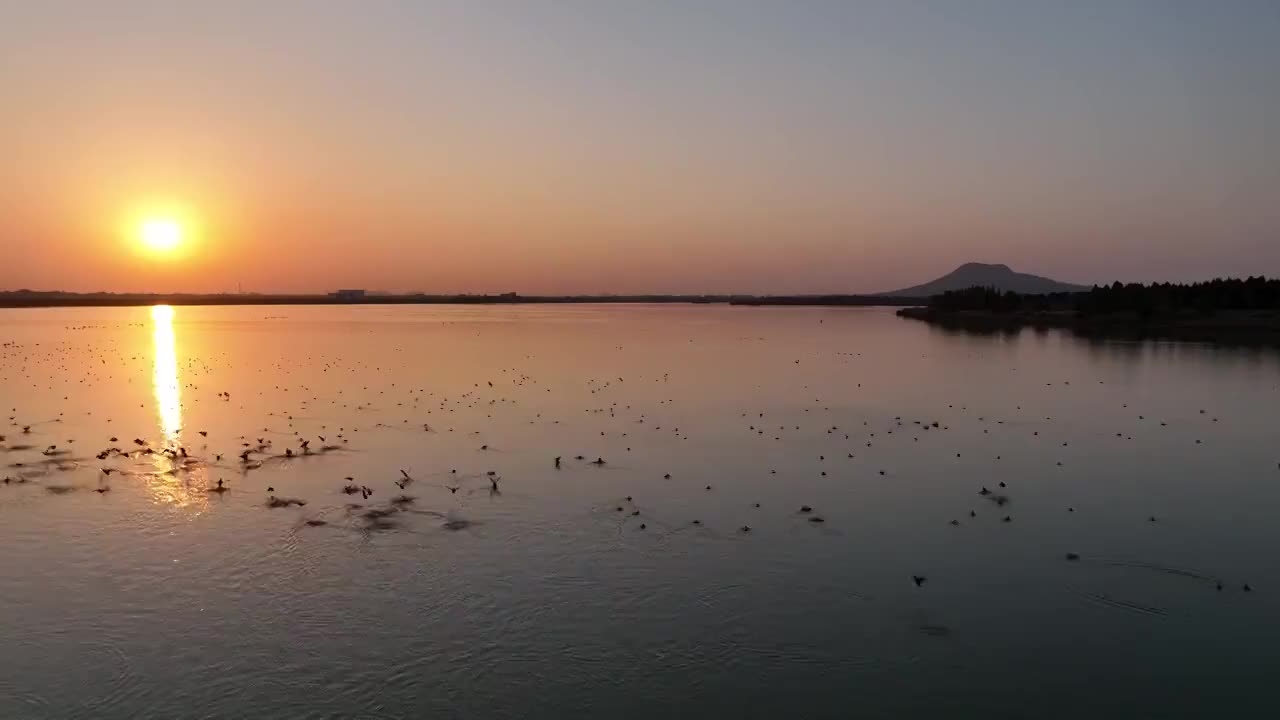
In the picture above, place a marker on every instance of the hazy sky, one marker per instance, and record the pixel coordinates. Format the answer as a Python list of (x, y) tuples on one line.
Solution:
[(608, 146)]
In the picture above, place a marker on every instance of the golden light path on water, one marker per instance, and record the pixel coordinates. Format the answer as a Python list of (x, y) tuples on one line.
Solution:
[(165, 375), (166, 485)]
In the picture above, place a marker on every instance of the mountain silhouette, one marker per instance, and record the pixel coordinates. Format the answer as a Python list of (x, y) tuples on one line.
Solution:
[(1000, 277)]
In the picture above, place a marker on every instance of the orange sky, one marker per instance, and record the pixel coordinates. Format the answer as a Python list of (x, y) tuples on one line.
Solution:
[(573, 148)]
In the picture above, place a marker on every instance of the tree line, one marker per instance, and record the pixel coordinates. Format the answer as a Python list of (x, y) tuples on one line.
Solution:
[(1253, 293)]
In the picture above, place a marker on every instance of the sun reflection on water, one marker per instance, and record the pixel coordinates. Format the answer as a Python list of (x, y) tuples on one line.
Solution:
[(168, 483), (165, 376)]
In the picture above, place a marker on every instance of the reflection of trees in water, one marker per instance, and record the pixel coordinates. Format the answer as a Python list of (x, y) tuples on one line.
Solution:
[(994, 331), (1123, 348), (1213, 356)]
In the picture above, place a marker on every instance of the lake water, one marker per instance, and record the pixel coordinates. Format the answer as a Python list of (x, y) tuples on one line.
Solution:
[(628, 589)]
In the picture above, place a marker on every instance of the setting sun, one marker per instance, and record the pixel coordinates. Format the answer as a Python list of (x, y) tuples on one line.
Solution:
[(160, 234)]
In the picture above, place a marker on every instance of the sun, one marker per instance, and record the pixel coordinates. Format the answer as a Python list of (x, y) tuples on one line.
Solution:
[(160, 235)]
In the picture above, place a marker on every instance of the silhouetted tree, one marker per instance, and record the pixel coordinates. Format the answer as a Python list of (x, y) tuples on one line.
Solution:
[(1145, 301)]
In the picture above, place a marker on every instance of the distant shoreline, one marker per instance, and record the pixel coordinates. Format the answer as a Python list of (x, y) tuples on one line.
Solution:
[(1238, 327), (34, 299)]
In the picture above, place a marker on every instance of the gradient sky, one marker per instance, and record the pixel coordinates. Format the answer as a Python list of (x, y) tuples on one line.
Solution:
[(608, 146)]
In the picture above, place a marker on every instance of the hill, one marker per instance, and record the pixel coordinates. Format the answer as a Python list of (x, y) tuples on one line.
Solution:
[(1000, 277)]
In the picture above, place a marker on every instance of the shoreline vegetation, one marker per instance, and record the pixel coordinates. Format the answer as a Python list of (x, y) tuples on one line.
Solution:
[(46, 299), (1242, 312), (1245, 312)]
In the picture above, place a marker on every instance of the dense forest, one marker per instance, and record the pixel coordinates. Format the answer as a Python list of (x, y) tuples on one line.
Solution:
[(1254, 293)]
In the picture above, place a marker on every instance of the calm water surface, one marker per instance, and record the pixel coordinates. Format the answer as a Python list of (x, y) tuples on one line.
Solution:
[(614, 590)]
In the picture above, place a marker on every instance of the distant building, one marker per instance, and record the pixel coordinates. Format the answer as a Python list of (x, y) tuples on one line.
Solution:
[(349, 295)]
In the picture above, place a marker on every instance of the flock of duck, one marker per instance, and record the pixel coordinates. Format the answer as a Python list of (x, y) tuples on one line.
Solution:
[(417, 411)]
